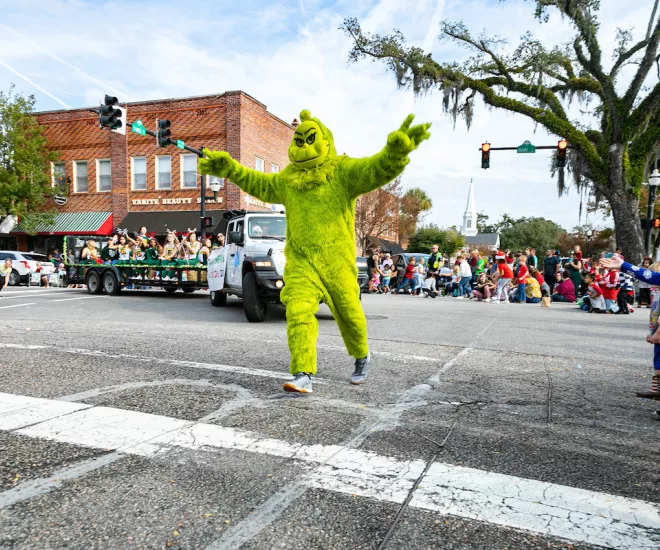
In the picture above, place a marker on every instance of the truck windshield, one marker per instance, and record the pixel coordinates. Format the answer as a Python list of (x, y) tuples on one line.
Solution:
[(267, 227)]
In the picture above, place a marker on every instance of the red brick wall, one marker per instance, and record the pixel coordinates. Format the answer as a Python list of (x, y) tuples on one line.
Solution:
[(232, 121)]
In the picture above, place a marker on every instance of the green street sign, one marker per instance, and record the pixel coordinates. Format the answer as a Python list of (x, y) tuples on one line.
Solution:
[(526, 147), (139, 128), (180, 144)]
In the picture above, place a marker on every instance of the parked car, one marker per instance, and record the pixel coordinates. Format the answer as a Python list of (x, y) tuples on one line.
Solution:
[(400, 263), (24, 263)]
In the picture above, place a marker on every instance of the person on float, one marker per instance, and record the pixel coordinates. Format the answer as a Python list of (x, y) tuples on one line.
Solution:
[(152, 256), (190, 248), (169, 255), (319, 189)]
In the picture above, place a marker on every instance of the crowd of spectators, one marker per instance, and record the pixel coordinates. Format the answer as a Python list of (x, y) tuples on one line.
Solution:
[(505, 276)]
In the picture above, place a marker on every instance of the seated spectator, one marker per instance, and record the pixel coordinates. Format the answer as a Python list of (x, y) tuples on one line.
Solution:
[(532, 291), (428, 287), (593, 301), (483, 288), (565, 290), (545, 289)]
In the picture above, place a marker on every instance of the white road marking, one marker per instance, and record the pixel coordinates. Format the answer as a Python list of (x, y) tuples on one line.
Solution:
[(81, 298), (160, 361), (556, 510), (17, 305), (31, 294)]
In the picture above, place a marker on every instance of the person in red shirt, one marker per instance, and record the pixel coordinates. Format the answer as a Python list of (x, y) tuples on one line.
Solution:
[(407, 277), (521, 279), (594, 302), (505, 277), (610, 287)]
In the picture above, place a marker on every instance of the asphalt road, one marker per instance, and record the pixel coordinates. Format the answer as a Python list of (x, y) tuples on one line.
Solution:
[(153, 421)]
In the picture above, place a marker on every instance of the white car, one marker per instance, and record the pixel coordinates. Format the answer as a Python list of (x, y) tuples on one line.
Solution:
[(25, 263)]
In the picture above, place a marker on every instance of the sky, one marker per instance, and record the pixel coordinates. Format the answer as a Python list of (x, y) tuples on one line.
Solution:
[(291, 55)]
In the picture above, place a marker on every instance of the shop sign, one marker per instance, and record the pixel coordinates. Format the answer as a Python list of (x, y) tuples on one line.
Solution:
[(180, 200)]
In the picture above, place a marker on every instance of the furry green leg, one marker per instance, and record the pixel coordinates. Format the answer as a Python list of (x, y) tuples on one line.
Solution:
[(344, 302), (302, 331)]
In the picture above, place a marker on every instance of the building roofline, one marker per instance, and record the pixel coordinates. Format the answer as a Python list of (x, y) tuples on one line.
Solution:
[(163, 100)]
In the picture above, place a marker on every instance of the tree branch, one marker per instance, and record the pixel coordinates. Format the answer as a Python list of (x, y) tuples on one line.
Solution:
[(644, 68), (627, 55), (651, 19)]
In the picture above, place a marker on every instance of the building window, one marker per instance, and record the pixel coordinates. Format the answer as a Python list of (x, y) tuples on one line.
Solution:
[(189, 171), (276, 167), (58, 173), (80, 176), (164, 172), (103, 175), (260, 165), (139, 173), (469, 223)]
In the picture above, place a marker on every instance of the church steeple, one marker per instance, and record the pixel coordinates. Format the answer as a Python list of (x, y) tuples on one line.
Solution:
[(469, 228)]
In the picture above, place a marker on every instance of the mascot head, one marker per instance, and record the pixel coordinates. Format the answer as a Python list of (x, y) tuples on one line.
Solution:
[(312, 143)]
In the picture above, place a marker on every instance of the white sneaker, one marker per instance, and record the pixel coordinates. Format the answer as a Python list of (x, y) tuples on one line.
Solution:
[(459, 297), (166, 278), (486, 299)]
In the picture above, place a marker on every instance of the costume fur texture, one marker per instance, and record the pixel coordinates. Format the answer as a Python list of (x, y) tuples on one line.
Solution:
[(319, 189)]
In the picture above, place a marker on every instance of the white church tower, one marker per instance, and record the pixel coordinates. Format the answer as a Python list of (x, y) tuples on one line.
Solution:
[(469, 228)]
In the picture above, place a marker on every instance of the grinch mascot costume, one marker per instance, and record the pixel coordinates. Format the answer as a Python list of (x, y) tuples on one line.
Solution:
[(319, 189)]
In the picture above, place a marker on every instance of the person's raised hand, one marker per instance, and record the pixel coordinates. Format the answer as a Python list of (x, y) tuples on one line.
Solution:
[(407, 138), (216, 163), (615, 262)]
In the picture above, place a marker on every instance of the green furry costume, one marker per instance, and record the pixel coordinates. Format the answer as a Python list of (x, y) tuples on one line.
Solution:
[(319, 190)]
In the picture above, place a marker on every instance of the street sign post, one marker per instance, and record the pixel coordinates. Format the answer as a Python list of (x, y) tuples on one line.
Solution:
[(526, 147), (139, 128), (180, 144)]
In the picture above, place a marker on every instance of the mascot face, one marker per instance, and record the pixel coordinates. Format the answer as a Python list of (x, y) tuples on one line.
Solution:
[(309, 147)]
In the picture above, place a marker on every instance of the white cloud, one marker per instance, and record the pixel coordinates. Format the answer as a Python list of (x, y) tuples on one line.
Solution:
[(291, 55)]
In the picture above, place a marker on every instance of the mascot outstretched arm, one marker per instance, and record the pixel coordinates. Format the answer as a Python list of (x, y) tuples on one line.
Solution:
[(319, 189)]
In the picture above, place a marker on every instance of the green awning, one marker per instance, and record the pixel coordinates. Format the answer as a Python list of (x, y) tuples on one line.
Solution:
[(74, 223)]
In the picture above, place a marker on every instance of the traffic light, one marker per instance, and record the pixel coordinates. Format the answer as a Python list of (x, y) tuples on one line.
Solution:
[(485, 155), (208, 221), (163, 133), (562, 146), (655, 223), (112, 116)]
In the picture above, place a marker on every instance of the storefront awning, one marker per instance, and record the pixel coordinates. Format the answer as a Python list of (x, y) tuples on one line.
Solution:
[(74, 223), (174, 220)]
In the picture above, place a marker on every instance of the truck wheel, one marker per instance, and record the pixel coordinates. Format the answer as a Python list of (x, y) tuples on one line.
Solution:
[(218, 299), (110, 284), (189, 290), (170, 289), (93, 283), (14, 278), (254, 307)]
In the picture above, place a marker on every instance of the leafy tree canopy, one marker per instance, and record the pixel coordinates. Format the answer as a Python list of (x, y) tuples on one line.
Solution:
[(448, 240), (536, 233), (25, 170)]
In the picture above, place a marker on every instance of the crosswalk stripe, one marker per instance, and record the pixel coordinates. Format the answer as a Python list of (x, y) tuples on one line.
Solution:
[(547, 508)]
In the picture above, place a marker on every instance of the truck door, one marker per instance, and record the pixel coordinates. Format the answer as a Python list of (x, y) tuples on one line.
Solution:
[(235, 257)]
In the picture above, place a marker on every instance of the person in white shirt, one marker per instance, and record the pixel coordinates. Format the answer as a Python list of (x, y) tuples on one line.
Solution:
[(465, 274)]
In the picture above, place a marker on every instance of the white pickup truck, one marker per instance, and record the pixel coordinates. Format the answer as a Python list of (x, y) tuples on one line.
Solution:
[(251, 264)]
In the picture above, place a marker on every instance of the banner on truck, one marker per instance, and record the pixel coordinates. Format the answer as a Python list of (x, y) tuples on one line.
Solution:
[(217, 268)]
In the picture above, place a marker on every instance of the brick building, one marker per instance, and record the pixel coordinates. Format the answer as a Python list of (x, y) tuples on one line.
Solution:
[(134, 182)]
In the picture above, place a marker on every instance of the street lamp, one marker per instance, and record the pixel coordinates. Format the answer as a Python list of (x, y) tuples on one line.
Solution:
[(589, 234), (215, 184), (654, 181)]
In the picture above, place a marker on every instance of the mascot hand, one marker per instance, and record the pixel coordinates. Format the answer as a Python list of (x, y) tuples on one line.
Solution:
[(407, 138), (216, 163)]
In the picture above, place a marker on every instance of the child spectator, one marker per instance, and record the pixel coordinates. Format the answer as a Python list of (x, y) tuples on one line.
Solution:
[(505, 277), (482, 288), (418, 276), (386, 272), (521, 279), (644, 293), (407, 276), (594, 302), (532, 291), (564, 291), (545, 289), (374, 282), (428, 287), (465, 277), (610, 288), (626, 293)]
